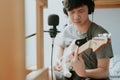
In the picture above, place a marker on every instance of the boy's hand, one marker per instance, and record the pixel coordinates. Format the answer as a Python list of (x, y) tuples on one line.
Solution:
[(58, 66), (78, 65)]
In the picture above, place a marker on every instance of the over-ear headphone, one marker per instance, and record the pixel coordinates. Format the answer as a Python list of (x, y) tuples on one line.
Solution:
[(89, 3), (65, 11), (91, 6)]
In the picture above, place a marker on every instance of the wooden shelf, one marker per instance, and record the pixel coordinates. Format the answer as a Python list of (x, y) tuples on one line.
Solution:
[(41, 74), (107, 3), (43, 3)]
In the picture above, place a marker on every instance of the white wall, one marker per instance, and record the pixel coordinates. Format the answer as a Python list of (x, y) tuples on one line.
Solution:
[(108, 18), (30, 23)]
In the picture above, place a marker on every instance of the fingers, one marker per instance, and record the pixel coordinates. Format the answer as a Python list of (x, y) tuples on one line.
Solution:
[(76, 57), (76, 52), (58, 66)]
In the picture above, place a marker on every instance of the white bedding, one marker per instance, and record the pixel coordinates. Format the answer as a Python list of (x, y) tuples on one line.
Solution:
[(114, 68)]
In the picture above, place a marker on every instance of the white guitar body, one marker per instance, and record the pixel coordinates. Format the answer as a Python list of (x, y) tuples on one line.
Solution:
[(94, 44), (66, 64)]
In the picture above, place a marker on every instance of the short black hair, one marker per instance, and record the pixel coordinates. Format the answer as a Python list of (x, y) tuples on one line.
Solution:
[(71, 4)]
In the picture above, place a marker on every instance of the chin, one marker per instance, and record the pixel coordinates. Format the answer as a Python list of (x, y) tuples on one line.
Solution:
[(79, 23)]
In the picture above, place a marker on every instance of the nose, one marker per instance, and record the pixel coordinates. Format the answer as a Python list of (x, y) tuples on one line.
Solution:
[(76, 16)]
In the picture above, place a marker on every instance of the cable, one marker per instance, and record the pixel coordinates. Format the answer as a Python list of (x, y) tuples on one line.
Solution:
[(52, 59), (93, 14)]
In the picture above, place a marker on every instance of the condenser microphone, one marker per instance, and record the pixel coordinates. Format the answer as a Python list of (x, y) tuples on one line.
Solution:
[(53, 20)]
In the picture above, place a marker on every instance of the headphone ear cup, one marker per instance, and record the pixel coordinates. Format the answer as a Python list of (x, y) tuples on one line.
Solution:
[(91, 7), (65, 11)]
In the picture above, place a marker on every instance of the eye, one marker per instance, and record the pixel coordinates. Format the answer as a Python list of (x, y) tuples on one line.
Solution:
[(81, 11), (71, 12)]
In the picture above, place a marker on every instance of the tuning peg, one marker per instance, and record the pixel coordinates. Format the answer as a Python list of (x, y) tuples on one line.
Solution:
[(100, 35), (105, 34), (108, 35)]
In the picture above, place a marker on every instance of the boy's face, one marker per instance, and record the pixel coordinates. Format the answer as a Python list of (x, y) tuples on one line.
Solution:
[(79, 16)]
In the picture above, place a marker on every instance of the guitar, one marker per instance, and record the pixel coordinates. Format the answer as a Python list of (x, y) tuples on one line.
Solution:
[(95, 44)]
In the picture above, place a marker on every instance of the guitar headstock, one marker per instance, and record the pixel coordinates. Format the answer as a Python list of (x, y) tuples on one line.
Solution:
[(98, 42)]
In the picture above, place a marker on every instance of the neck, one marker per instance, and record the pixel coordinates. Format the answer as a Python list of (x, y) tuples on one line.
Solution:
[(84, 27)]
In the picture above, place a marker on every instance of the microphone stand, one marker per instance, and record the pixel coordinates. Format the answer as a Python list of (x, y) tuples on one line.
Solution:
[(53, 32)]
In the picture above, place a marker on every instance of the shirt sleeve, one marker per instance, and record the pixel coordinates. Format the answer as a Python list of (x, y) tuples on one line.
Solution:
[(60, 41), (105, 52), (65, 37)]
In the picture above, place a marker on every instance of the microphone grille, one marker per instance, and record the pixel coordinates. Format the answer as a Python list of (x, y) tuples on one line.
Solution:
[(53, 20)]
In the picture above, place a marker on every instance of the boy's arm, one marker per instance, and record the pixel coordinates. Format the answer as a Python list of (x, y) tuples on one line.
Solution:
[(59, 53), (102, 71)]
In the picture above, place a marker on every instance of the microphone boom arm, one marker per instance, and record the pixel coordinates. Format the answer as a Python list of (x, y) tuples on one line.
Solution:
[(53, 32)]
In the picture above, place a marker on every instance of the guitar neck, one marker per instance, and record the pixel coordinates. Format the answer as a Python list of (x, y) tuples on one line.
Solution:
[(84, 47)]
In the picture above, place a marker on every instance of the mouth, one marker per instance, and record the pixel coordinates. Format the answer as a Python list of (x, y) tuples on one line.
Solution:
[(77, 22)]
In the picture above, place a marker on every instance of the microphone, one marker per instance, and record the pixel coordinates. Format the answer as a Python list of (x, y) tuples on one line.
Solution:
[(53, 20)]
